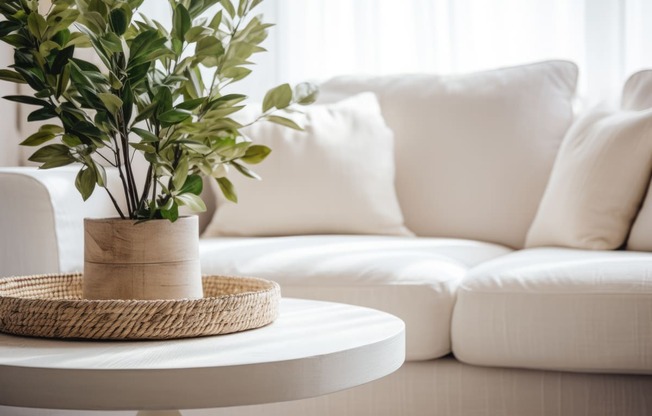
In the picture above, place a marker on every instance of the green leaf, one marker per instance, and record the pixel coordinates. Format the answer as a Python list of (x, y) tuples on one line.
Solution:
[(194, 185), (171, 213), (118, 21), (63, 81), (236, 73), (44, 113), (71, 140), (38, 138), (116, 84), (228, 6), (182, 21), (137, 74), (242, 7), (24, 99), (245, 171), (192, 201), (6, 27), (60, 21), (111, 42), (37, 25), (100, 174), (146, 135), (33, 76), (163, 101), (227, 99), (208, 50), (306, 93), (174, 116), (218, 113), (16, 40), (49, 46), (146, 112), (190, 104), (11, 76), (79, 39), (61, 59), (51, 128), (51, 151), (112, 102), (227, 189), (143, 147), (85, 182), (255, 3), (58, 162), (180, 174), (256, 154), (279, 97), (94, 21), (197, 33), (216, 21), (283, 121)]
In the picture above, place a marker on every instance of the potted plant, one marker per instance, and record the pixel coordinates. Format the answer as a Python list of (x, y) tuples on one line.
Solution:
[(145, 94)]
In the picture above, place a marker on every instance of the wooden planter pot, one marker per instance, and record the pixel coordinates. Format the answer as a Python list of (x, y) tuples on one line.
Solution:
[(153, 259)]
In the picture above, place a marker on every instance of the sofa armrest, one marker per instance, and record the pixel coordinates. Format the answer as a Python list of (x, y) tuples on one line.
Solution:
[(42, 220)]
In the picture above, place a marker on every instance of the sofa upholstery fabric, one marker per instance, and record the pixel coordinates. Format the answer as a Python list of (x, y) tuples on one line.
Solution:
[(414, 279), (473, 152), (557, 309)]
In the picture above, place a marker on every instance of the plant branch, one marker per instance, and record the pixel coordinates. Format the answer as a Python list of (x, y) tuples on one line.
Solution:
[(107, 160), (121, 173), (131, 191), (115, 203), (148, 183)]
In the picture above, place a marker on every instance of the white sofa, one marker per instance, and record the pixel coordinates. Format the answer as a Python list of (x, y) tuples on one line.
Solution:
[(492, 328)]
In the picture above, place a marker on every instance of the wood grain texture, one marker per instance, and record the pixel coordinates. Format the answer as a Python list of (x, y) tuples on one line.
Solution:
[(142, 281), (156, 259), (113, 240), (313, 348)]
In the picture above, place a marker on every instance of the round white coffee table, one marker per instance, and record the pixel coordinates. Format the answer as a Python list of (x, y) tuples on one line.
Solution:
[(313, 348)]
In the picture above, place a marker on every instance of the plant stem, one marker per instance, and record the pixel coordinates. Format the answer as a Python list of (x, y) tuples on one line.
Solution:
[(107, 160), (131, 191), (115, 203), (118, 163), (148, 183)]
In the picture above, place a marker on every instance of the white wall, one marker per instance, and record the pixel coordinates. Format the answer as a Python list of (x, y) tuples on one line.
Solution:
[(9, 136)]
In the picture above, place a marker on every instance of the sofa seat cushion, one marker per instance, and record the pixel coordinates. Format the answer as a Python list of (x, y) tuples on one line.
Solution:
[(558, 309), (412, 278)]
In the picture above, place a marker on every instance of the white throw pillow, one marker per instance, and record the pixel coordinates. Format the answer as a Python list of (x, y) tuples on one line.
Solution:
[(637, 95), (473, 151), (337, 177), (597, 182)]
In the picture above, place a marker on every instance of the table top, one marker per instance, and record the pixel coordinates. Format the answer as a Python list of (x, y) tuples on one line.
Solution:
[(313, 348)]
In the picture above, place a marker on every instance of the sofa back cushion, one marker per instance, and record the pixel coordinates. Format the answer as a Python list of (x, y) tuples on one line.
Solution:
[(473, 152), (637, 95)]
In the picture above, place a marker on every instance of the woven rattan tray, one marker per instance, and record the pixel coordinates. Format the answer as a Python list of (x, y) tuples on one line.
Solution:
[(50, 306)]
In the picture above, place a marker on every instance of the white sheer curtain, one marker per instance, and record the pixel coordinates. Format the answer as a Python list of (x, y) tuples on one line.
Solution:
[(317, 39)]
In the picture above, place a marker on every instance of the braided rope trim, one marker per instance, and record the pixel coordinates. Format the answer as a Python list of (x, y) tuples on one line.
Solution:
[(50, 306)]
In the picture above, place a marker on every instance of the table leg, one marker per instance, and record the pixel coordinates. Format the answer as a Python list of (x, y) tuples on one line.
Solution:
[(159, 413)]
